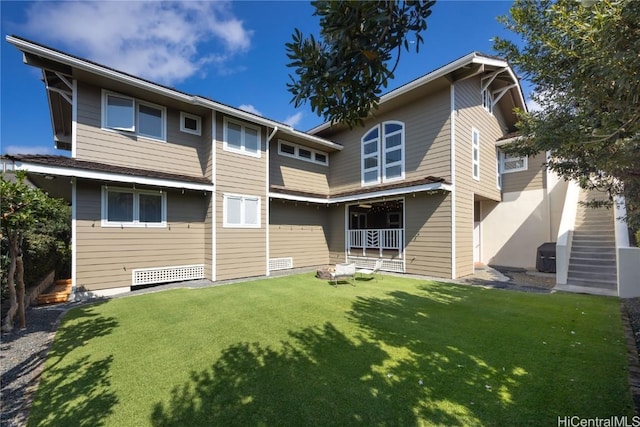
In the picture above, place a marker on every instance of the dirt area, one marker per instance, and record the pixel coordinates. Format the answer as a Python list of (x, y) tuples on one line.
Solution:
[(530, 278)]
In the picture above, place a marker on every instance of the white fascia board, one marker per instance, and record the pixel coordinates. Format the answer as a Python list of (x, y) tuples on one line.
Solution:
[(136, 82), (507, 141), (416, 83), (312, 138), (471, 58), (436, 186), (112, 177)]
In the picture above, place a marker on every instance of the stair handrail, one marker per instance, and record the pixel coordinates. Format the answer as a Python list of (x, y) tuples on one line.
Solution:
[(565, 232)]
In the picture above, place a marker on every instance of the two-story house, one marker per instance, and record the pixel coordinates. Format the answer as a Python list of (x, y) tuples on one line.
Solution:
[(169, 186)]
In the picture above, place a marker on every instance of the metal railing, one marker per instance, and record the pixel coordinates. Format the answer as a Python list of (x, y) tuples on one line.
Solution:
[(375, 239)]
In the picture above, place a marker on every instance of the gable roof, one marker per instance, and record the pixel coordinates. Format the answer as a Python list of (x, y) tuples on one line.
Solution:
[(464, 67), (60, 62)]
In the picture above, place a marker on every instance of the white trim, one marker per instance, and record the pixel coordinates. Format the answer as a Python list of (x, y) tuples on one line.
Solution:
[(452, 132), (437, 186), (267, 204), (243, 148), (163, 119), (471, 58), (242, 198), (296, 153), (110, 176), (134, 129), (381, 153), (74, 120), (504, 159), (214, 198), (74, 235), (198, 119), (135, 223), (475, 153)]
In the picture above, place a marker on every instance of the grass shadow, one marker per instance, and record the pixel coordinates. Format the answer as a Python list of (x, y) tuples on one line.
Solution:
[(319, 377), (77, 393)]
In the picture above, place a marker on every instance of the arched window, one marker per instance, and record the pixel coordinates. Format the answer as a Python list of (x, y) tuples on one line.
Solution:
[(383, 153)]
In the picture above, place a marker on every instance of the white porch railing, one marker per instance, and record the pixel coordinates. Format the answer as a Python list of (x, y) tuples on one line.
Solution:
[(375, 240)]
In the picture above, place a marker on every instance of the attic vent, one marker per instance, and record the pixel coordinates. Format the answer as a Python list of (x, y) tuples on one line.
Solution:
[(145, 276), (280, 263)]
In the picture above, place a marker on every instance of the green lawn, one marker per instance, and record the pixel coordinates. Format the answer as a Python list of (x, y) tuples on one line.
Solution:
[(296, 351)]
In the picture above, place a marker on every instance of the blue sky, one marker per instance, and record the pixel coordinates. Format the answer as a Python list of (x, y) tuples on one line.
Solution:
[(232, 52)]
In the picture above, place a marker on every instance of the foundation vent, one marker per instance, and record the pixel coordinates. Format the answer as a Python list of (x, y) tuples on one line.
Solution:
[(280, 263), (146, 276)]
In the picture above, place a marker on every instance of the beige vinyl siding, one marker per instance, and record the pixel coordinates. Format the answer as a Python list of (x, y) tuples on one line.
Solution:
[(428, 234), (427, 137), (240, 252), (336, 234), (182, 153), (299, 231), (470, 115), (531, 179), (295, 174), (106, 256)]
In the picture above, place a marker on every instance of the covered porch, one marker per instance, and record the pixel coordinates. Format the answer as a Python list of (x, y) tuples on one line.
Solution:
[(375, 230)]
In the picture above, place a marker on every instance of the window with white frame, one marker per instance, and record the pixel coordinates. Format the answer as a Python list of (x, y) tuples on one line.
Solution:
[(241, 138), (382, 153), (126, 207), (289, 149), (241, 211), (475, 153), (190, 123), (487, 100), (498, 170), (127, 114), (510, 163)]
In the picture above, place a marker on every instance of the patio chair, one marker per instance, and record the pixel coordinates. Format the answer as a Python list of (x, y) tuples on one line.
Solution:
[(370, 271), (344, 272)]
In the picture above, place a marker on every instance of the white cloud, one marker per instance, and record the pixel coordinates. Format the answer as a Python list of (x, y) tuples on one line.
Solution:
[(29, 149), (533, 105), (250, 109), (155, 40), (293, 119)]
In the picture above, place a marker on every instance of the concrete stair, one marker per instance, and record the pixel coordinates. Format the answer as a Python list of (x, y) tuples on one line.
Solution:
[(592, 263)]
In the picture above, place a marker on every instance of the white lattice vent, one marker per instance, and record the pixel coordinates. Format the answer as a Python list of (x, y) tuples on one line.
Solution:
[(394, 265), (280, 263), (145, 276)]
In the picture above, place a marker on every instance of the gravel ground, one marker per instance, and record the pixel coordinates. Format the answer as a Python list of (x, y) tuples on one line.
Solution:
[(23, 352), (22, 356), (632, 307)]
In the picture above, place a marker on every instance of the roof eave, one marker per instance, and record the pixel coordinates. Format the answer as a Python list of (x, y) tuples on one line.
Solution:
[(36, 49)]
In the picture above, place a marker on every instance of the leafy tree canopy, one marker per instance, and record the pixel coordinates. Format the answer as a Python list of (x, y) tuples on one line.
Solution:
[(341, 74), (583, 60), (24, 210)]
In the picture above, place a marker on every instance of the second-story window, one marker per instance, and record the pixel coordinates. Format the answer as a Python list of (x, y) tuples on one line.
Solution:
[(241, 138), (475, 154), (289, 149), (126, 114), (487, 100), (382, 153)]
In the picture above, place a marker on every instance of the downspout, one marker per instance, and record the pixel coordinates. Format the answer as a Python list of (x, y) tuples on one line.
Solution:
[(214, 197), (267, 201), (452, 121)]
